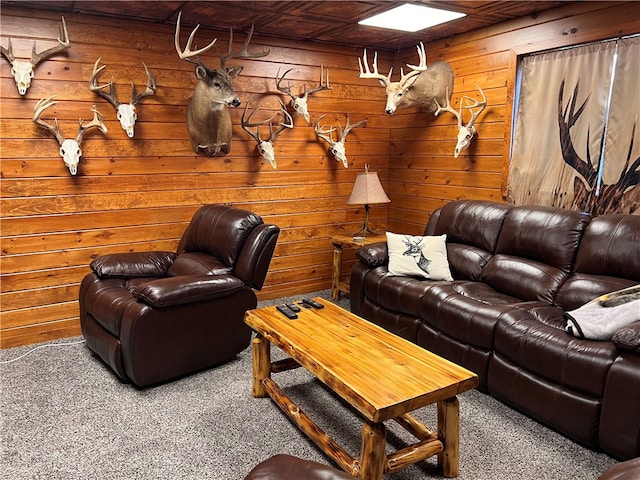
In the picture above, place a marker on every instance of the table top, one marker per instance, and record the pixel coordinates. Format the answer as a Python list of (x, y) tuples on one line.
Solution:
[(379, 373), (348, 240)]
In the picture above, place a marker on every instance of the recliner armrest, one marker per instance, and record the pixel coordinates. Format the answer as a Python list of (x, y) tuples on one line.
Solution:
[(171, 291), (133, 264), (374, 254), (628, 338)]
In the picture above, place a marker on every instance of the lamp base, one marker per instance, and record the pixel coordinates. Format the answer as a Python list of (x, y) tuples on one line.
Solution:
[(365, 231)]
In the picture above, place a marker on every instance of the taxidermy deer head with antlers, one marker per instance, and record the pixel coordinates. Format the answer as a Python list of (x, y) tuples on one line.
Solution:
[(337, 147), (421, 87), (465, 132), (126, 111), (299, 103), (22, 70), (208, 120), (69, 148), (265, 147)]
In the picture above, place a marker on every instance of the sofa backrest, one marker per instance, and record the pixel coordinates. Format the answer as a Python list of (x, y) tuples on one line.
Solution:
[(608, 259), (472, 228), (535, 252)]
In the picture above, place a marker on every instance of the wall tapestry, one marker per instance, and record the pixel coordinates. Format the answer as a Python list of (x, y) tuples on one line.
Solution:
[(576, 140)]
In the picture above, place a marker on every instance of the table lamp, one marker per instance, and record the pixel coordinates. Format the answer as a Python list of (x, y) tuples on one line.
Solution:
[(367, 191)]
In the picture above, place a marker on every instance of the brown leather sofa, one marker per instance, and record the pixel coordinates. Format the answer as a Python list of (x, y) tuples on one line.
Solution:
[(157, 316), (516, 271), (629, 470)]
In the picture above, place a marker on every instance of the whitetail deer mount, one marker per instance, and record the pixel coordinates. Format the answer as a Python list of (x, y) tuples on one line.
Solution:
[(467, 131), (623, 196), (208, 119), (422, 87), (126, 111), (337, 147), (69, 148), (265, 147), (300, 102), (23, 70)]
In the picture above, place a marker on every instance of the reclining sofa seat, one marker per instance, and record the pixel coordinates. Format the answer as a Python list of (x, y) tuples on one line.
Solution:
[(156, 316), (516, 270)]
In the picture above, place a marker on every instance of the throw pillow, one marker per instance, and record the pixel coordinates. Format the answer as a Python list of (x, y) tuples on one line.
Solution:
[(417, 256)]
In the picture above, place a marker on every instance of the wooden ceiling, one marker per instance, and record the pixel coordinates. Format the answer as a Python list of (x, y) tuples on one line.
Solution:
[(333, 22)]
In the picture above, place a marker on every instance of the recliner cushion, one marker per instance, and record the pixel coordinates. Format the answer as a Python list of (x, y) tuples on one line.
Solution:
[(196, 263)]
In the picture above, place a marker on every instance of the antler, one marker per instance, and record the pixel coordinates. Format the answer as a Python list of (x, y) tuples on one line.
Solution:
[(320, 87), (8, 52), (348, 128), (95, 122), (447, 108), (472, 103), (36, 58), (151, 87), (323, 132), (246, 122), (285, 90), (242, 53), (367, 73), (40, 107), (187, 54), (99, 89)]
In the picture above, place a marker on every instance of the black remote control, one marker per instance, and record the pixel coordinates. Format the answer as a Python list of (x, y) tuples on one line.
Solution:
[(286, 312), (312, 303), (293, 307)]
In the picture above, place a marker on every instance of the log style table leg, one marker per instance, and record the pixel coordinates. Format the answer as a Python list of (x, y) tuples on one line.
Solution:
[(335, 275), (373, 456), (261, 365), (449, 435)]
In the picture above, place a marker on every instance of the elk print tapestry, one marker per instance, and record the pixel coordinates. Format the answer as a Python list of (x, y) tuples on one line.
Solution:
[(576, 140)]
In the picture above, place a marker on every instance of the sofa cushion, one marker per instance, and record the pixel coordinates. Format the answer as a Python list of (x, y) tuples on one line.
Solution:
[(608, 259), (535, 252), (418, 256)]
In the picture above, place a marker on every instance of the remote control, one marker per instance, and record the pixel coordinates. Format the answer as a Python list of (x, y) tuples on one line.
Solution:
[(286, 312), (312, 303), (293, 307)]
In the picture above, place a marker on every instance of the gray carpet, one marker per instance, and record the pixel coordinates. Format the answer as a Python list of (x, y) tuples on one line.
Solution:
[(66, 416)]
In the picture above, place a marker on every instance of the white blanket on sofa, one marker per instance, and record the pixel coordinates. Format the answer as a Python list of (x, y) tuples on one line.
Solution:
[(603, 316)]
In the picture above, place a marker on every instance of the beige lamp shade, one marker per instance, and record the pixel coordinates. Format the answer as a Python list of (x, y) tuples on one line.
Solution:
[(367, 190)]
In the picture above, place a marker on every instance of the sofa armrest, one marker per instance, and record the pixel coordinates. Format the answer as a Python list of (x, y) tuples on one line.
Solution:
[(172, 291), (133, 264), (628, 338), (374, 254)]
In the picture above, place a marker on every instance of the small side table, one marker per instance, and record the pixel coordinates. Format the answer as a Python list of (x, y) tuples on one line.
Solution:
[(339, 242)]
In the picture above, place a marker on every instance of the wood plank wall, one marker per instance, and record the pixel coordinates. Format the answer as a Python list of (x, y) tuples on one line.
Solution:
[(134, 195), (138, 194), (423, 173)]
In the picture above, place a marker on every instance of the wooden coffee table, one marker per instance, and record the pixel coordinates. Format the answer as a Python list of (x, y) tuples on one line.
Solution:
[(380, 374)]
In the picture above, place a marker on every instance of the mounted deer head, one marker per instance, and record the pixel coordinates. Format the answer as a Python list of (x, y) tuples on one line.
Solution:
[(208, 120), (126, 111), (619, 197), (418, 88), (265, 147), (299, 103), (465, 132), (22, 70), (69, 149), (337, 147)]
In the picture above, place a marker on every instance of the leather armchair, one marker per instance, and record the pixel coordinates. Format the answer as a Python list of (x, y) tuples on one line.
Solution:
[(156, 316), (288, 467)]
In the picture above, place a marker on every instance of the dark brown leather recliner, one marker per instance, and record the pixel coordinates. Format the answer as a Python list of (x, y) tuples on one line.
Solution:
[(156, 316)]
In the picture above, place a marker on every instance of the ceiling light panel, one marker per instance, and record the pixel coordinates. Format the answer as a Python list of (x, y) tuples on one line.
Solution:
[(411, 18)]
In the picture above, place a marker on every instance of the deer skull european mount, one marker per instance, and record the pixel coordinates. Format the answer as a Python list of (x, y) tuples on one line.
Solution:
[(300, 102), (69, 148), (126, 112), (265, 147), (23, 70), (337, 147)]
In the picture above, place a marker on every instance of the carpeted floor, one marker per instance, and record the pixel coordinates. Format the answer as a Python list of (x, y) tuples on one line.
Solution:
[(66, 416)]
